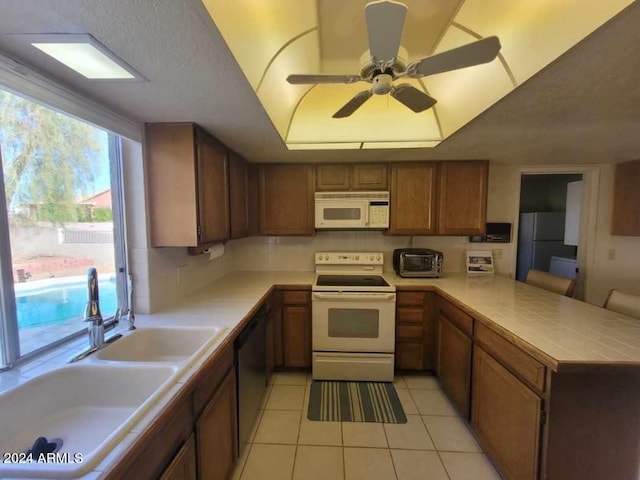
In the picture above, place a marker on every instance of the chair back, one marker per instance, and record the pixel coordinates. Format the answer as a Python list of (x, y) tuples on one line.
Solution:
[(625, 303), (554, 283)]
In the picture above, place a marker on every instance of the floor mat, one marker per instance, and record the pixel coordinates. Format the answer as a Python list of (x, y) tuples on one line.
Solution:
[(355, 402)]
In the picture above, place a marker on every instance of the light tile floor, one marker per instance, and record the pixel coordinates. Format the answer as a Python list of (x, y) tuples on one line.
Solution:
[(434, 444)]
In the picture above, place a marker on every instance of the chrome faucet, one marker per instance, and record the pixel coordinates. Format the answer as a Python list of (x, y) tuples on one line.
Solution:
[(92, 310), (97, 326)]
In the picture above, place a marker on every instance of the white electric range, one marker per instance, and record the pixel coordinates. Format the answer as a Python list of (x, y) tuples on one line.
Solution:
[(353, 321)]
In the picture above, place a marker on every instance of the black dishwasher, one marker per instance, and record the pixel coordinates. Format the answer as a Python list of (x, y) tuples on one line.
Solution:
[(251, 371)]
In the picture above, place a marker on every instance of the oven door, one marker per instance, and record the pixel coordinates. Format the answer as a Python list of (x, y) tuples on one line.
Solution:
[(353, 322), (341, 213)]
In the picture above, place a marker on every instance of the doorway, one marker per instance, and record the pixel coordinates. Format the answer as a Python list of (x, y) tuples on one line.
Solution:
[(549, 224)]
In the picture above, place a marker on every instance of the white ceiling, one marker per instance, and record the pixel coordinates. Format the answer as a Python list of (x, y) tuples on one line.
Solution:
[(583, 108)]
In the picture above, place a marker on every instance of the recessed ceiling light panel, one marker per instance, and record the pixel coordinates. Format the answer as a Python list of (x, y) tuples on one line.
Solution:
[(85, 55)]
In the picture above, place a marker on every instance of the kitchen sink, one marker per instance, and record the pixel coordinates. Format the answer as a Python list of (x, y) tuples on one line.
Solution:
[(161, 345), (90, 407)]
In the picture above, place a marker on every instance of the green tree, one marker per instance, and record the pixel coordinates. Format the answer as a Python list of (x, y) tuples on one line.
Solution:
[(48, 157)]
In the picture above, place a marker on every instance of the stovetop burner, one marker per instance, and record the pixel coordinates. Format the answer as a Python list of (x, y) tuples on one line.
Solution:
[(351, 281)]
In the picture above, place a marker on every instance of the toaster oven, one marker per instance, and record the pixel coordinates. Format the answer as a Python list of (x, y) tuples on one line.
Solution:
[(417, 262)]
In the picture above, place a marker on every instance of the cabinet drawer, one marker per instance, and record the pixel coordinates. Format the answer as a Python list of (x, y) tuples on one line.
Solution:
[(210, 378), (409, 356), (410, 315), (526, 367), (413, 332), (410, 298), (456, 316), (295, 297)]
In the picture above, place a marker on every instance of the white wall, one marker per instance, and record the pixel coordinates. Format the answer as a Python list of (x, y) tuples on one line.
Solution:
[(623, 271)]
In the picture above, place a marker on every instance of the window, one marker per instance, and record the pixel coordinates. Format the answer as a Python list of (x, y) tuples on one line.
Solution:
[(60, 213)]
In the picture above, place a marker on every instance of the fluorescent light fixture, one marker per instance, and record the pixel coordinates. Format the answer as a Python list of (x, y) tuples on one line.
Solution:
[(85, 55), (324, 146)]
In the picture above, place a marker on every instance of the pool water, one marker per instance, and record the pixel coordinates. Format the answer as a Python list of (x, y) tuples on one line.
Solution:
[(53, 305)]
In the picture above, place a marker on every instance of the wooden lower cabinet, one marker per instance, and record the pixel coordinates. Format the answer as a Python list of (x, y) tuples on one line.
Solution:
[(454, 364), (295, 322), (296, 329), (506, 418), (183, 466), (216, 432), (414, 331)]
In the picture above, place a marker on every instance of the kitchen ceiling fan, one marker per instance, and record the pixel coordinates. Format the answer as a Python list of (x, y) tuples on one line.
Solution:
[(382, 64)]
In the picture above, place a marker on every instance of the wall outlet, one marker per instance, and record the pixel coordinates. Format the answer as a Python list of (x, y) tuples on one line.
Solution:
[(497, 254), (181, 274), (611, 254)]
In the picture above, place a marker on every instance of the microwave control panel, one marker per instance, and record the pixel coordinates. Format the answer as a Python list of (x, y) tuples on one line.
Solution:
[(379, 215)]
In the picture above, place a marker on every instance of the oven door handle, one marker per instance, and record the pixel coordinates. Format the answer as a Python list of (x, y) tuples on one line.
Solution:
[(355, 296)]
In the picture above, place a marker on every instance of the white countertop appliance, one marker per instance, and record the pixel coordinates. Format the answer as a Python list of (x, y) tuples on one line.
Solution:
[(353, 321), (352, 210)]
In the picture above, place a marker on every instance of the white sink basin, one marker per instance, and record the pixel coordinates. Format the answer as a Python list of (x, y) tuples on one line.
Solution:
[(90, 407), (165, 345)]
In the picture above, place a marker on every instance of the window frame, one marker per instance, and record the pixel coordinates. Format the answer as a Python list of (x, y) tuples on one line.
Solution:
[(10, 355)]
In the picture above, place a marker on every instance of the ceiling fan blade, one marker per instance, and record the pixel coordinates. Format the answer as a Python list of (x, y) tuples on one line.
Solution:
[(412, 97), (353, 104), (475, 53), (385, 21), (311, 79)]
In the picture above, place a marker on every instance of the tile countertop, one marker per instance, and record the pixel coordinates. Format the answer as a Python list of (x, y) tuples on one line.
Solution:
[(561, 331)]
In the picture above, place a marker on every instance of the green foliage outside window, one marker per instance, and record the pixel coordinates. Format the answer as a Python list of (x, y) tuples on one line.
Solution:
[(49, 159)]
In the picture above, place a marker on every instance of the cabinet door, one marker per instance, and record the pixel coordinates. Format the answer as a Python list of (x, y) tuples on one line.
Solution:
[(626, 200), (172, 184), (286, 199), (462, 198), (454, 364), (213, 192), (370, 177), (296, 323), (238, 188), (216, 432), (183, 466), (332, 177), (506, 418), (413, 199)]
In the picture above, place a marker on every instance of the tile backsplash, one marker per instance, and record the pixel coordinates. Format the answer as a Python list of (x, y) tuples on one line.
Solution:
[(296, 253)]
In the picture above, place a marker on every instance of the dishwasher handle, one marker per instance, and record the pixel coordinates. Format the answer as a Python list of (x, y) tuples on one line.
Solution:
[(242, 338)]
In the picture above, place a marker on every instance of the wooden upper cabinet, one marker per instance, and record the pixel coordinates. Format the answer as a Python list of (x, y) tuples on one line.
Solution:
[(286, 199), (238, 200), (213, 189), (413, 199), (626, 200), (188, 186), (462, 198), (332, 177), (342, 176), (370, 177)]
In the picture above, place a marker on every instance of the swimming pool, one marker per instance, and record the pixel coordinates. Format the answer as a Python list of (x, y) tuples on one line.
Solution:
[(52, 303)]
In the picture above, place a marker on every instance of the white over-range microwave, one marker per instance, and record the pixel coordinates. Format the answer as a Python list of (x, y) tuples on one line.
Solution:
[(352, 210)]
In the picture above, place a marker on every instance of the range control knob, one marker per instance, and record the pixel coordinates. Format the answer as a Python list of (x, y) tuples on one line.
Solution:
[(371, 257), (357, 257), (378, 258), (326, 257)]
